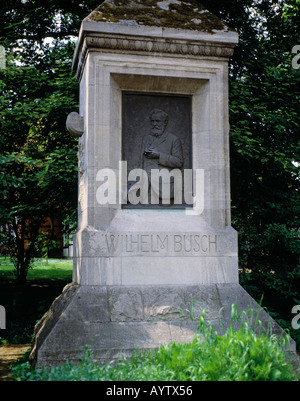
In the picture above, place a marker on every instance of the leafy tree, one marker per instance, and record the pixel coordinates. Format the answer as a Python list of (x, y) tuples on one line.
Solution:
[(38, 164), (28, 198), (38, 160), (264, 121)]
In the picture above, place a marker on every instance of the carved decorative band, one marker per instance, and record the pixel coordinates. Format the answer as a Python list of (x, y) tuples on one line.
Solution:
[(159, 46)]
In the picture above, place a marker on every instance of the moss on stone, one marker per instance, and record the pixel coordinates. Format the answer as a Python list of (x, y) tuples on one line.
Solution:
[(186, 15)]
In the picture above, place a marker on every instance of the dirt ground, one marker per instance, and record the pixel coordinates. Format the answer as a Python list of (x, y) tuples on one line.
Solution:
[(9, 354)]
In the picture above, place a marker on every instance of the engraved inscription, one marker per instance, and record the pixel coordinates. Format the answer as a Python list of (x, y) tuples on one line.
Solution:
[(162, 243)]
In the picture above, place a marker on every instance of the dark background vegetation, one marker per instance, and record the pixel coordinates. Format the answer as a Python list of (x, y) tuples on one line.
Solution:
[(38, 161)]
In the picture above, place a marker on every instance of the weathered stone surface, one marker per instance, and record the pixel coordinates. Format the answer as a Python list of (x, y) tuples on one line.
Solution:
[(48, 321), (75, 124), (117, 320), (126, 304), (172, 14), (163, 303)]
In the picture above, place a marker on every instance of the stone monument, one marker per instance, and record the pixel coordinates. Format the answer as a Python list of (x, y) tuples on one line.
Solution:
[(154, 233)]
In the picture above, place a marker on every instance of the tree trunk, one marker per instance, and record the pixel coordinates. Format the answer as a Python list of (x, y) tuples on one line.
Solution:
[(22, 273)]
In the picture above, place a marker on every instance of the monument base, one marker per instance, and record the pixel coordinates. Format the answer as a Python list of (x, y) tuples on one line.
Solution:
[(116, 320)]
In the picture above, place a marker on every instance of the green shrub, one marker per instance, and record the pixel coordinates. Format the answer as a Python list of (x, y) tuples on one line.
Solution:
[(238, 354)]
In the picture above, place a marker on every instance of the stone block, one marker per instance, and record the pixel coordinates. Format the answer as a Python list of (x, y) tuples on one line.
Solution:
[(115, 321)]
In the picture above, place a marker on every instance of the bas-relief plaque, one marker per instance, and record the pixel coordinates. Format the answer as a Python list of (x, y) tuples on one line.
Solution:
[(156, 135)]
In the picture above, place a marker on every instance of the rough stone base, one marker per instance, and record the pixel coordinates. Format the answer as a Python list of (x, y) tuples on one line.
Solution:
[(115, 320)]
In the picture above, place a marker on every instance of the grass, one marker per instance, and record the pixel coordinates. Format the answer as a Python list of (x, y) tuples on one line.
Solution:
[(26, 303), (41, 270), (236, 355)]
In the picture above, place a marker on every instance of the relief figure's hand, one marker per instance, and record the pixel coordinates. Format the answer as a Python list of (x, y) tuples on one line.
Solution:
[(151, 153)]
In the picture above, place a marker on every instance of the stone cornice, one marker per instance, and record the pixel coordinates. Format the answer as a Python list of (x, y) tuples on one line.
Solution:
[(137, 44)]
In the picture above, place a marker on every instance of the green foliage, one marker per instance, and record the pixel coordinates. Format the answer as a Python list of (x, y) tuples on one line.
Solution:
[(32, 189), (264, 148), (237, 355), (38, 164)]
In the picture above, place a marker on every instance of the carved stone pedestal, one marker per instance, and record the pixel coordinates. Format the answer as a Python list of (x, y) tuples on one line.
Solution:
[(116, 320)]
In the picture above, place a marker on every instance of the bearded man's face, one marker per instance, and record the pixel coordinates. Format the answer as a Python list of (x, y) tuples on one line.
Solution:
[(158, 124)]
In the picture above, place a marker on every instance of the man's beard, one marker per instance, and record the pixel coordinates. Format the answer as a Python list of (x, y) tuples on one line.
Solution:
[(157, 132)]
